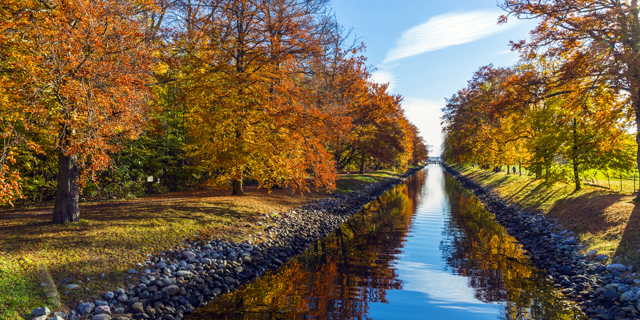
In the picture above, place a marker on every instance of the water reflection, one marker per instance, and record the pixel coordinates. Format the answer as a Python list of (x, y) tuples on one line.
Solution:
[(386, 263)]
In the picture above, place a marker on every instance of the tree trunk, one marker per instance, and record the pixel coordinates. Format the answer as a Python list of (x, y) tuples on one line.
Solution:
[(576, 176), (66, 207), (362, 165), (237, 187)]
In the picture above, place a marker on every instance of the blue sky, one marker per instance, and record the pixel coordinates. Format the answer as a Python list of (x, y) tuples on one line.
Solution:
[(427, 50)]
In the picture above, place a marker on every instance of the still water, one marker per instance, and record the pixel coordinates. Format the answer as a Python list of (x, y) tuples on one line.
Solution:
[(425, 250)]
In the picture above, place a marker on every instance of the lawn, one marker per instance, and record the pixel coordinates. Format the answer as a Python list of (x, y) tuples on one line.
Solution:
[(113, 236), (603, 218)]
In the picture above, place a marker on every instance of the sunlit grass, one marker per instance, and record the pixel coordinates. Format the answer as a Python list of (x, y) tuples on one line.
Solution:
[(603, 218)]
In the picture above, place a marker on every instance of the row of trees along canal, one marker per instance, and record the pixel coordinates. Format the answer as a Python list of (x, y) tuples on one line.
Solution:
[(566, 110), (95, 96)]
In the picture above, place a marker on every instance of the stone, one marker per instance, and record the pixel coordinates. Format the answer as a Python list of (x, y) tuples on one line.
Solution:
[(61, 314), (611, 294), (101, 317), (137, 307), (101, 303), (86, 308), (628, 296), (617, 267), (123, 298), (161, 265), (72, 286), (119, 292), (108, 295), (65, 281), (132, 271), (172, 290), (119, 310), (184, 274), (188, 255), (56, 318), (102, 310), (602, 257), (565, 270), (42, 311), (42, 317)]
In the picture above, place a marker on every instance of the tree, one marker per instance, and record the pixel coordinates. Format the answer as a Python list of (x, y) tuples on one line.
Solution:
[(84, 67), (599, 37)]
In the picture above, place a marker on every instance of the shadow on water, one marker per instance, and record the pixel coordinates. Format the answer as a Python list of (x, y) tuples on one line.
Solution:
[(345, 274)]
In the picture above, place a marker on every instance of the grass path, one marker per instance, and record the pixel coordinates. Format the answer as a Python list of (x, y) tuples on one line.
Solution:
[(113, 236), (603, 219)]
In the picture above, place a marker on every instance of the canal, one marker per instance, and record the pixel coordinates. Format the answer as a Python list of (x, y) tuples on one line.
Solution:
[(425, 250)]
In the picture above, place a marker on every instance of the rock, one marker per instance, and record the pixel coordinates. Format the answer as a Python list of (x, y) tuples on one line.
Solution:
[(72, 286), (119, 310), (65, 281), (56, 318), (628, 296), (565, 270), (61, 314), (123, 298), (101, 303), (617, 267), (611, 294), (132, 271), (172, 290), (161, 265), (86, 308), (592, 253), (602, 257), (188, 255), (101, 317), (108, 295), (42, 311), (119, 292), (137, 307), (42, 317), (184, 274), (102, 310)]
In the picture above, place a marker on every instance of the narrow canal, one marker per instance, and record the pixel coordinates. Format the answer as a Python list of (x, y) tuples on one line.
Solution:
[(425, 250)]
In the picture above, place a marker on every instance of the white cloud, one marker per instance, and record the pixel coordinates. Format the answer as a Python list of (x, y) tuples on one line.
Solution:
[(447, 30), (425, 114), (383, 76)]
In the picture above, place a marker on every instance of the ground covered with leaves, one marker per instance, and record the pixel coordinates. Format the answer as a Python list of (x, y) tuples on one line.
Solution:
[(113, 236), (602, 218)]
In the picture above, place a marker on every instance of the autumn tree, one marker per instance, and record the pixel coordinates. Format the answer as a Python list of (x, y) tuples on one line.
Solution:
[(82, 68)]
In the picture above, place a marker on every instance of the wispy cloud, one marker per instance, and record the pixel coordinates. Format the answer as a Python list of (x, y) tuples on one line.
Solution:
[(447, 30), (425, 114)]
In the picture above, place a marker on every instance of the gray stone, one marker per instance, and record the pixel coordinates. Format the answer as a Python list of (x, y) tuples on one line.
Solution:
[(108, 295), (42, 311), (119, 310), (86, 308), (101, 317), (172, 290), (161, 265), (188, 254), (565, 270), (628, 296), (101, 303), (102, 310), (42, 317), (617, 267), (61, 314), (137, 307), (602, 257), (132, 271), (611, 294), (119, 292), (56, 318), (123, 298), (72, 286), (65, 281), (184, 274)]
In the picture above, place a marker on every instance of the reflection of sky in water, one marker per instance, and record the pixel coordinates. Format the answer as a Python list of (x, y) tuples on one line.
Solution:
[(430, 291)]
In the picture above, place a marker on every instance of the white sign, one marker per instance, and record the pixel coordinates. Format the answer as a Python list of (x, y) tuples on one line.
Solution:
[(150, 179)]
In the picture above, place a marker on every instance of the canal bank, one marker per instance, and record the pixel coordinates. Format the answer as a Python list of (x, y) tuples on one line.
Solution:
[(604, 291), (181, 280), (427, 249)]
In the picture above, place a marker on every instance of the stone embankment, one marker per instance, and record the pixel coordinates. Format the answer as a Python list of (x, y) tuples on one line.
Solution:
[(602, 290), (181, 279)]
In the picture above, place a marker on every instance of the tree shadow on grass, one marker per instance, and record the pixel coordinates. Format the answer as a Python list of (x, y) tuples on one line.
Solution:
[(589, 213), (630, 240)]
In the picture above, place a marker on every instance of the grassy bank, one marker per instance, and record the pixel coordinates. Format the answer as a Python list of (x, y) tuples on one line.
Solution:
[(604, 219), (97, 252)]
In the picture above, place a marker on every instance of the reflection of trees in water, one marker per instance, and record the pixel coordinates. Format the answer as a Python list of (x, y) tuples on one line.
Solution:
[(338, 276), (477, 247)]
